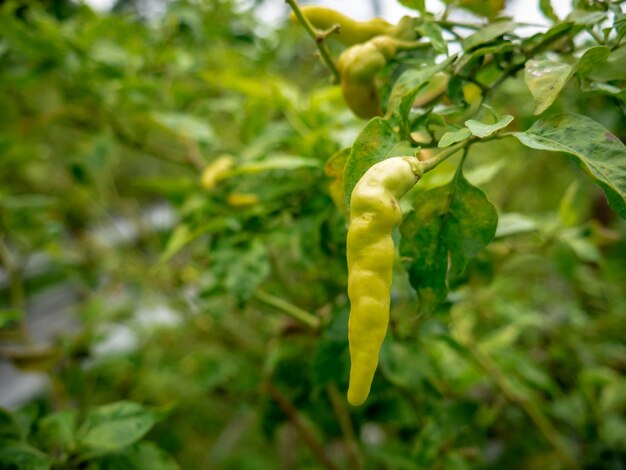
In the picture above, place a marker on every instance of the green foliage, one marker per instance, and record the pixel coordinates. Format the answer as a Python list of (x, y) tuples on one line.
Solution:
[(506, 342)]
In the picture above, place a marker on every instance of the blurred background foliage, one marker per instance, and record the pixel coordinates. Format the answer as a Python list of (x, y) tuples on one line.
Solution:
[(208, 321)]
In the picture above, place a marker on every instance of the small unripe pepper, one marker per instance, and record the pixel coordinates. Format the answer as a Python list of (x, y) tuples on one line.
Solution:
[(358, 66), (374, 212), (216, 171), (353, 32)]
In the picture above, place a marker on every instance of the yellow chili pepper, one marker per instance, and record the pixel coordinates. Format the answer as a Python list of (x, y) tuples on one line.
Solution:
[(374, 212)]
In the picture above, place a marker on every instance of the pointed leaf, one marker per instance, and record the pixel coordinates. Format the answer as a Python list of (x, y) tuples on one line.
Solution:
[(586, 18), (433, 32), (452, 137), (418, 5), (117, 425), (613, 68), (487, 8), (482, 130), (488, 34), (408, 85), (376, 142), (545, 80), (546, 8), (24, 457), (592, 59), (598, 152)]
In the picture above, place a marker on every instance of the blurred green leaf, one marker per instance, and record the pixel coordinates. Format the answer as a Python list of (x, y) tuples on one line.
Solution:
[(23, 457), (56, 431), (9, 430), (186, 126), (115, 426), (138, 457), (487, 34), (434, 33), (546, 8), (487, 8), (418, 5)]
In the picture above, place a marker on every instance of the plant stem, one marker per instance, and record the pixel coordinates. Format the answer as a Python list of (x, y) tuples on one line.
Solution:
[(293, 311), (305, 433), (318, 37), (545, 426), (337, 402), (431, 163), (15, 277), (506, 388)]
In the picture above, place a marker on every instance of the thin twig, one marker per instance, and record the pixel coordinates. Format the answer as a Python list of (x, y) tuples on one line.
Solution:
[(14, 274), (293, 311), (431, 163), (543, 424), (345, 423), (305, 433), (319, 37)]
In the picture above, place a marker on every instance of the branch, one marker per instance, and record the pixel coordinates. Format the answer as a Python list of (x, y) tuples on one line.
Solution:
[(14, 274), (292, 310), (337, 402), (305, 433), (544, 425), (318, 37), (431, 163)]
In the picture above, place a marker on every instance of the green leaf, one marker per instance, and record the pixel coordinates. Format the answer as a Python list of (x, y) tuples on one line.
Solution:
[(613, 68), (9, 430), (537, 40), (449, 226), (482, 130), (10, 318), (393, 364), (488, 8), (592, 59), (23, 457), (245, 268), (546, 8), (418, 5), (452, 137), (545, 80), (183, 235), (586, 18), (598, 152), (496, 49), (331, 362), (55, 432), (605, 89), (513, 223), (144, 455), (487, 34), (570, 206), (185, 126), (407, 87), (115, 426), (434, 32), (376, 142)]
